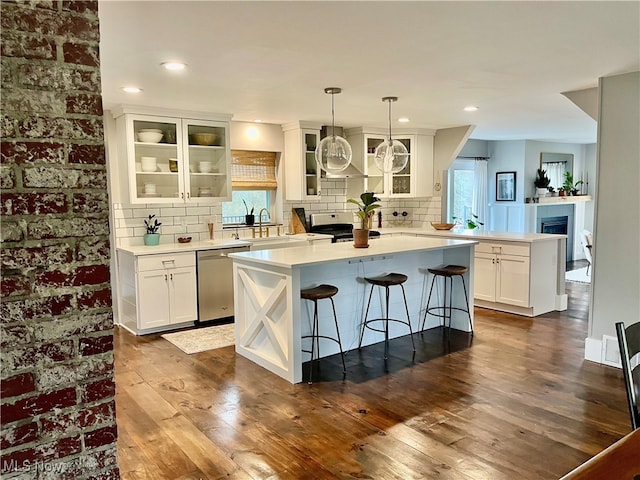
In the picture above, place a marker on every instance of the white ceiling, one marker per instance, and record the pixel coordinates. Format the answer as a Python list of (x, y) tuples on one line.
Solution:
[(272, 60)]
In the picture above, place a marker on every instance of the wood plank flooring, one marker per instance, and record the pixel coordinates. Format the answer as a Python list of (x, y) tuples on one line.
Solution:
[(516, 401)]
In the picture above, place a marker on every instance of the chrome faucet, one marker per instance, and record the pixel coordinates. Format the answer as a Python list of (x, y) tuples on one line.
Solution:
[(260, 222)]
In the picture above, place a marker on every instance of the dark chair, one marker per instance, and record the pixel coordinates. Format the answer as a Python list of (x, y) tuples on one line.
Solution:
[(386, 281), (447, 272), (314, 294), (629, 343)]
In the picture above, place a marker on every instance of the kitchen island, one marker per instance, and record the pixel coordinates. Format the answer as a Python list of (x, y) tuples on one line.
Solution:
[(271, 318), (520, 273)]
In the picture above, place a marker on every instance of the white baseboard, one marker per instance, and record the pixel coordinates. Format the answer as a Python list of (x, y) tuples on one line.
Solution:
[(603, 351), (593, 350)]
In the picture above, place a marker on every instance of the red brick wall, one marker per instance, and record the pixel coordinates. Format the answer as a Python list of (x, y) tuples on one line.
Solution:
[(56, 327)]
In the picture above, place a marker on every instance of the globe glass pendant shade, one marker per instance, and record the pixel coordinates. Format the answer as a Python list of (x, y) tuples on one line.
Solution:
[(391, 156), (333, 154)]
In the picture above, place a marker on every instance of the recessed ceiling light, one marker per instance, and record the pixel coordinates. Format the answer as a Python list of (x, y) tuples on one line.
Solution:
[(470, 108), (173, 66), (257, 120), (132, 89), (403, 120)]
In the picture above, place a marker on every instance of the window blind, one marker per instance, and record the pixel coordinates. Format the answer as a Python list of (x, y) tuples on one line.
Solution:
[(253, 170)]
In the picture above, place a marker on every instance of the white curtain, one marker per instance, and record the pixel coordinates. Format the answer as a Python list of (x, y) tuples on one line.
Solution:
[(555, 172), (480, 183)]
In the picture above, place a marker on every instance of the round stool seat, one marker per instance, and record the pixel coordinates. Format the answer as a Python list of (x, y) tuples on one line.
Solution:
[(448, 270), (387, 280), (319, 292)]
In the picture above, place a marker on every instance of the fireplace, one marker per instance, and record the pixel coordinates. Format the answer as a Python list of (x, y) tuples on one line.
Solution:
[(555, 225), (558, 225)]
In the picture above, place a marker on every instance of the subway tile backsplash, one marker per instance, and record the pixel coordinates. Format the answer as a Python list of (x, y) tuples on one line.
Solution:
[(179, 220)]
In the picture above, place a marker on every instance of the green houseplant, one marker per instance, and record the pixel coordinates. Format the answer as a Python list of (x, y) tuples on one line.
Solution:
[(569, 186), (541, 182), (152, 237), (249, 218), (470, 223), (366, 208)]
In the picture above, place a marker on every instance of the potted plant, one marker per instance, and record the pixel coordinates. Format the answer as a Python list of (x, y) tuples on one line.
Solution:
[(568, 186), (470, 223), (249, 218), (152, 237), (541, 182), (365, 212)]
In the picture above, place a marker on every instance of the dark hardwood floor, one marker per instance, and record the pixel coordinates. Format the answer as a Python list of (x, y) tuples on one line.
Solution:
[(516, 401)]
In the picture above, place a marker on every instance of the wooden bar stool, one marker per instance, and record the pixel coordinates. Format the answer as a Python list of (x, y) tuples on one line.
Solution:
[(386, 281), (447, 272), (314, 294)]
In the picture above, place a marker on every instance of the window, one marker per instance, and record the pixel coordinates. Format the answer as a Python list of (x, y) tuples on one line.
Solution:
[(461, 180), (253, 178), (233, 212)]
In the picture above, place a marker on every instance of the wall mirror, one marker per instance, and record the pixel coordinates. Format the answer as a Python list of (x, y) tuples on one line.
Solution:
[(556, 164)]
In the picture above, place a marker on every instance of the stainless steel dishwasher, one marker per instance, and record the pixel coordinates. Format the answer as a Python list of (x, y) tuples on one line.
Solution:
[(215, 283)]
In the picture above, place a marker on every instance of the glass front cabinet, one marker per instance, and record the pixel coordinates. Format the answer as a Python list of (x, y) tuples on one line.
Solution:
[(415, 180), (172, 159), (302, 174)]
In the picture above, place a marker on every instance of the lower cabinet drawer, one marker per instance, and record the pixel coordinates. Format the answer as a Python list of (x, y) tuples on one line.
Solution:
[(511, 248), (158, 262)]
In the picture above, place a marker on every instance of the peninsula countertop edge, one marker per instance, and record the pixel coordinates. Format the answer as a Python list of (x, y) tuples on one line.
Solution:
[(317, 254), (479, 235)]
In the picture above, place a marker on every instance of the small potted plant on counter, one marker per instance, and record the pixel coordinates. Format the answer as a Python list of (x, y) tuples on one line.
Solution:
[(249, 218), (541, 182), (152, 237), (365, 212), (470, 223)]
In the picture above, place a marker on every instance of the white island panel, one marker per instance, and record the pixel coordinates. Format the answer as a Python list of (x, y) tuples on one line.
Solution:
[(271, 318)]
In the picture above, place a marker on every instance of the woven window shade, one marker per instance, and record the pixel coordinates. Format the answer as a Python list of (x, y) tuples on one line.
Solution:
[(253, 170)]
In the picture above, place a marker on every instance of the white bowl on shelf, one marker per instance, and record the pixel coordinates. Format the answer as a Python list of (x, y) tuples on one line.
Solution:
[(148, 164), (149, 136), (205, 167)]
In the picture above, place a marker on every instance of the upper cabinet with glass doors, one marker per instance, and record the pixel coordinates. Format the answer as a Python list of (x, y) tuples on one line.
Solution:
[(415, 180), (302, 175), (174, 159)]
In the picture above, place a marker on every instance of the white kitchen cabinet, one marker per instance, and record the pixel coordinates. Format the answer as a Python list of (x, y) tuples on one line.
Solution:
[(184, 170), (415, 180), (302, 174), (157, 292), (502, 277)]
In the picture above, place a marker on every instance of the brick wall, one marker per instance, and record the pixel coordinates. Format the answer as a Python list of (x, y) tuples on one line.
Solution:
[(56, 329)]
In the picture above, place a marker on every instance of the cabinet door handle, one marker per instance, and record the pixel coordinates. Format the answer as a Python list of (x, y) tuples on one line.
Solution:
[(182, 195), (165, 277), (188, 195), (171, 276)]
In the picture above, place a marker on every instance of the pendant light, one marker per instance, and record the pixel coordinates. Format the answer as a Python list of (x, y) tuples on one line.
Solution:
[(391, 155), (333, 153)]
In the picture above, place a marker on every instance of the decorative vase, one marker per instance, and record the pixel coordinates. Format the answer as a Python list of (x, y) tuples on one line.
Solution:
[(249, 219), (360, 238), (151, 239)]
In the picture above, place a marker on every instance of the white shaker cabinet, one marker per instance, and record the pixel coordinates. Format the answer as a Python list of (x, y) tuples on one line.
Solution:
[(415, 180), (191, 162), (301, 174), (157, 292), (502, 274)]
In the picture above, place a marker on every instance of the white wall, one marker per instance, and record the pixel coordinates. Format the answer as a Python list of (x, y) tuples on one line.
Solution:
[(616, 253)]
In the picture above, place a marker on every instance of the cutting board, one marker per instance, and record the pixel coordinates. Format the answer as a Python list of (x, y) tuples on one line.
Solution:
[(298, 220)]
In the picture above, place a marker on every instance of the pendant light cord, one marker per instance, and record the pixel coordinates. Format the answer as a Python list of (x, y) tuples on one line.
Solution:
[(389, 121), (333, 118)]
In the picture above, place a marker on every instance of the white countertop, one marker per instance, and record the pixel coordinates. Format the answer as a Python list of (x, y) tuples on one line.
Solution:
[(336, 252), (475, 234), (210, 244)]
